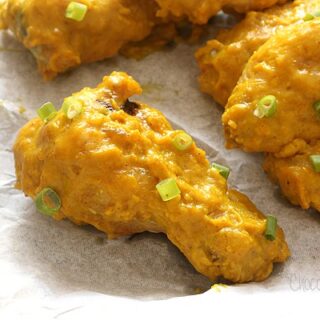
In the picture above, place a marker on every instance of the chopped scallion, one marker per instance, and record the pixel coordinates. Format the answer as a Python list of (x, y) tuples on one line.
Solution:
[(271, 228), (315, 160), (266, 107), (47, 111), (72, 107), (76, 11), (308, 17), (48, 201), (224, 171), (168, 189), (182, 141), (316, 107)]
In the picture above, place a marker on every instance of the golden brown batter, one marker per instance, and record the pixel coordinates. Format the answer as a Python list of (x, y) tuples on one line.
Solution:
[(222, 60), (105, 165), (296, 176), (288, 67), (59, 44), (200, 11)]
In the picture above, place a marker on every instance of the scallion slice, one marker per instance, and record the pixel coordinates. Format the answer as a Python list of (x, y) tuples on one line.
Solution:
[(48, 202), (224, 171), (76, 11), (72, 107), (308, 17), (266, 107), (315, 160), (271, 228), (316, 107), (47, 111), (168, 189), (182, 141)]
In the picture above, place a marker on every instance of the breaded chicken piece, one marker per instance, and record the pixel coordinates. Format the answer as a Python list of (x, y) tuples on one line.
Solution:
[(222, 60), (296, 175), (106, 163), (200, 11), (287, 67), (59, 43)]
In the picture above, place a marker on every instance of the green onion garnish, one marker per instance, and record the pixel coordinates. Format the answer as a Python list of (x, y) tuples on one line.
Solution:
[(271, 228), (266, 107), (48, 201), (72, 107), (168, 189), (316, 106), (182, 141), (308, 17), (315, 160), (76, 11), (47, 111), (224, 171)]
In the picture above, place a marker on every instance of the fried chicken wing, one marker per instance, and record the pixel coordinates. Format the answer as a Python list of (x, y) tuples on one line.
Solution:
[(287, 67), (200, 11), (222, 60), (296, 176), (106, 163), (59, 43)]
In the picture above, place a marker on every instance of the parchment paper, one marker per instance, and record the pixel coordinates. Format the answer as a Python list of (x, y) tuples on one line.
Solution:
[(56, 270)]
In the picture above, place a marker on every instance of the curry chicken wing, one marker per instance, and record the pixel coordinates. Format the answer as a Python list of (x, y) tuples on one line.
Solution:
[(287, 68), (60, 43), (106, 165), (222, 60), (200, 11)]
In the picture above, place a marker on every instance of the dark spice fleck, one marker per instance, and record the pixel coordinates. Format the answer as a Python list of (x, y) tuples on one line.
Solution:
[(106, 104), (130, 107)]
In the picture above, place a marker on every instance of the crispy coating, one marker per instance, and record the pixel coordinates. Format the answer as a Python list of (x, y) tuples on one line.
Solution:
[(296, 176), (59, 44), (105, 165), (288, 67), (200, 11), (222, 60)]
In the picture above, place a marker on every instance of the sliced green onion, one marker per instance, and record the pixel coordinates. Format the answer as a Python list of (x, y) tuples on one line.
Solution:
[(316, 106), (266, 107), (76, 11), (72, 107), (168, 189), (182, 141), (315, 160), (224, 171), (47, 111), (48, 202), (271, 228), (308, 17)]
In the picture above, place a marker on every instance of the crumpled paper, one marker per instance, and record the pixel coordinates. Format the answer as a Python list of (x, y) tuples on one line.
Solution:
[(56, 270)]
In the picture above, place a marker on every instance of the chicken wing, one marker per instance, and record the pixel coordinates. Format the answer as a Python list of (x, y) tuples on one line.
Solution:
[(59, 43), (222, 60), (287, 67), (200, 11), (105, 165)]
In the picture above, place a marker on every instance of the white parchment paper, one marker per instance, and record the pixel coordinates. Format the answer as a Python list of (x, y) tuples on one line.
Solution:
[(56, 270)]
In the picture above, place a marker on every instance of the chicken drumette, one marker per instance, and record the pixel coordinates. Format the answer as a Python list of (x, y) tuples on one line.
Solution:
[(119, 166)]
